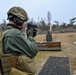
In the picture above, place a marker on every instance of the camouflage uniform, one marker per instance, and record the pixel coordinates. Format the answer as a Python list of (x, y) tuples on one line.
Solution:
[(16, 43)]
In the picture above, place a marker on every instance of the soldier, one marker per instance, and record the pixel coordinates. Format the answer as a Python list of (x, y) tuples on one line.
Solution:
[(14, 42)]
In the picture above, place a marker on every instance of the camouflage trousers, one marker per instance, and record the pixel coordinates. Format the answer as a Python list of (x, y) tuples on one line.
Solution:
[(25, 66), (15, 71)]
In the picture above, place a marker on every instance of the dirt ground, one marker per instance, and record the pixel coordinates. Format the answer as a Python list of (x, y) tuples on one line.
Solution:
[(68, 49)]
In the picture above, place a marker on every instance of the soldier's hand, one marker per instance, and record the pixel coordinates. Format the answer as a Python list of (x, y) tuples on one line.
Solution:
[(29, 32), (34, 32)]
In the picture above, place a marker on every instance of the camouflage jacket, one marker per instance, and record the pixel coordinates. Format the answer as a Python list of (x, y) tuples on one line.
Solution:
[(16, 43)]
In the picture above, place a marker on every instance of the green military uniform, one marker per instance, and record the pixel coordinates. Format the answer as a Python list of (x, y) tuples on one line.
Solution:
[(16, 43)]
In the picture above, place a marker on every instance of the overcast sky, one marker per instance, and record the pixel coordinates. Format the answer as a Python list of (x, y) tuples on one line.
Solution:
[(61, 10)]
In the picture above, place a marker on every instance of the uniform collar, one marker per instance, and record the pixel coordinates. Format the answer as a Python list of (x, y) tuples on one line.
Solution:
[(11, 26)]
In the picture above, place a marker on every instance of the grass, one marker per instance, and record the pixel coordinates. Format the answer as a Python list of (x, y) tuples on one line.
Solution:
[(68, 49)]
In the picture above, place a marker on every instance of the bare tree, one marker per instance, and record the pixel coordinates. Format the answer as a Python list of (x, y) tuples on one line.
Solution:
[(49, 18)]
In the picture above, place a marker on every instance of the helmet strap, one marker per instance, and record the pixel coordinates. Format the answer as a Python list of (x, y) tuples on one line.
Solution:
[(18, 22)]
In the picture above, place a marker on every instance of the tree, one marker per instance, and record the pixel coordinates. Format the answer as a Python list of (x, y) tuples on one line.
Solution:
[(57, 23), (63, 25), (3, 25), (72, 21), (49, 18), (43, 26)]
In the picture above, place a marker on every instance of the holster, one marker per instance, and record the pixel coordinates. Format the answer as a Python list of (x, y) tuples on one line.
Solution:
[(6, 63)]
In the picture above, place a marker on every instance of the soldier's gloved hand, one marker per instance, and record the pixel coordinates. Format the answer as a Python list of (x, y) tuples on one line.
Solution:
[(34, 32), (29, 32)]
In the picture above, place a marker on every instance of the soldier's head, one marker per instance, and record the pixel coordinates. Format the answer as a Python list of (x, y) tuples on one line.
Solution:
[(18, 15)]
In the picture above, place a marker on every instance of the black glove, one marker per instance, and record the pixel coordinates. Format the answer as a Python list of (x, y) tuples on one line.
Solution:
[(34, 32), (31, 32)]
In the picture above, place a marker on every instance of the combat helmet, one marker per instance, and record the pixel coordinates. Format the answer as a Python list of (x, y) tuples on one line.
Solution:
[(18, 12)]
